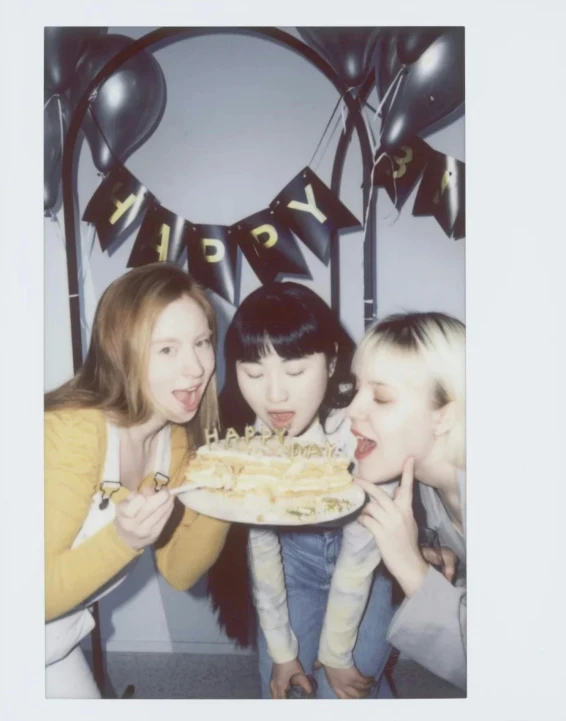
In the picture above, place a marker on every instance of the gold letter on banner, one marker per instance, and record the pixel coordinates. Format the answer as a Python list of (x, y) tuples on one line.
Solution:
[(163, 247), (121, 207), (219, 250), (403, 162), (271, 232), (446, 177), (309, 206)]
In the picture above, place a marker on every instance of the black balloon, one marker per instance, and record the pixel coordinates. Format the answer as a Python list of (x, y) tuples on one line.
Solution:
[(55, 123), (412, 42), (128, 105), (348, 50), (387, 69), (432, 89), (62, 50)]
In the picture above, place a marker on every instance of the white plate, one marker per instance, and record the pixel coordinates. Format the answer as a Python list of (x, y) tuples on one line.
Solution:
[(256, 509)]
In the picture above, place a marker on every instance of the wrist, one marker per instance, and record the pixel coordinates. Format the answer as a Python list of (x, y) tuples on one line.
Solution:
[(413, 576)]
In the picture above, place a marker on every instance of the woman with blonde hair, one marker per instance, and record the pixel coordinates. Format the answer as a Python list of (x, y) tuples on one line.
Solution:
[(408, 416), (117, 436)]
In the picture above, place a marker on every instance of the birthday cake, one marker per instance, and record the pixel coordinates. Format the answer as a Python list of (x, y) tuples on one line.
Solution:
[(270, 464)]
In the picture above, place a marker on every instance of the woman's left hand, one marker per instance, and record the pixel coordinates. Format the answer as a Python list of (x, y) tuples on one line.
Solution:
[(392, 523), (347, 682)]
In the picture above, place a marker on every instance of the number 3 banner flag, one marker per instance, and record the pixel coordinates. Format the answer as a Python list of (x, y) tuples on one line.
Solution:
[(399, 171), (442, 193)]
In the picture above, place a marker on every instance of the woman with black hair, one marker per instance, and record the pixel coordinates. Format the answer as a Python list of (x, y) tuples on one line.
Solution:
[(288, 366)]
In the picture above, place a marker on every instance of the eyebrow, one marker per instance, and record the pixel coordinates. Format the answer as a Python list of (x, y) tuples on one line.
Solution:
[(159, 341)]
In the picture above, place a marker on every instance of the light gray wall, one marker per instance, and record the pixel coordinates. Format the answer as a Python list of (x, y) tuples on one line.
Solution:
[(243, 117)]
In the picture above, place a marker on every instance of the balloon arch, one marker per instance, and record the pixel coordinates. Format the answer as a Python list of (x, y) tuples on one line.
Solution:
[(419, 77)]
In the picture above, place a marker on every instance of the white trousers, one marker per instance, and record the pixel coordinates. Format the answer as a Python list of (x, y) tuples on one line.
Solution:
[(70, 677)]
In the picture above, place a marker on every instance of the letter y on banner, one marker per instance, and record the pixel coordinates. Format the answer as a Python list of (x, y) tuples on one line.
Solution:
[(313, 212)]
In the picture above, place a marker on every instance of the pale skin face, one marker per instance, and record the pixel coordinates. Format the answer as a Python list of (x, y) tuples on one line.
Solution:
[(392, 414), (284, 393), (181, 361)]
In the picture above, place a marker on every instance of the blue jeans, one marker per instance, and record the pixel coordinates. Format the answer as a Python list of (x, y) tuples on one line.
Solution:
[(309, 558)]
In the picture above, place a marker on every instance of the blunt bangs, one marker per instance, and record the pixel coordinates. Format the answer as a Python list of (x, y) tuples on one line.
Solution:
[(288, 328)]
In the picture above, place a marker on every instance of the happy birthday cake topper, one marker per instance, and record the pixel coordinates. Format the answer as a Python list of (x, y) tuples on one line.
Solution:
[(294, 449)]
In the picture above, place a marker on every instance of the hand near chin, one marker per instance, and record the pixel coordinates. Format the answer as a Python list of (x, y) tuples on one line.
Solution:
[(392, 523)]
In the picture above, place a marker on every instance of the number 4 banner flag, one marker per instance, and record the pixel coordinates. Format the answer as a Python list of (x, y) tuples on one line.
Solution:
[(398, 172), (442, 193)]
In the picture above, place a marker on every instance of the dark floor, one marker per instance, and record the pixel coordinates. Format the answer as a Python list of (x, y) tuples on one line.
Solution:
[(209, 676)]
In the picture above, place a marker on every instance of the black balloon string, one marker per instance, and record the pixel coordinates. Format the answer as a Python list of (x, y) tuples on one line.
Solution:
[(380, 156), (60, 235), (324, 132), (395, 83), (86, 264)]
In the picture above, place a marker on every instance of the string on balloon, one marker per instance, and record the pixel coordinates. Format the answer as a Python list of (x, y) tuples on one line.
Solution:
[(324, 132), (395, 83)]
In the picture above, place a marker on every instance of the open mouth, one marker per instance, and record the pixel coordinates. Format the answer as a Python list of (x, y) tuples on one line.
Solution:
[(189, 398), (365, 446), (281, 419)]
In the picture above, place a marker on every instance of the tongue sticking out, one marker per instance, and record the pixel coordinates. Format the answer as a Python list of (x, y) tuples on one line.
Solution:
[(282, 419), (364, 447), (189, 399)]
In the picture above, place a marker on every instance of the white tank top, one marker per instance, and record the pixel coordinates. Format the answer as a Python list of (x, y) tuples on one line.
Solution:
[(64, 633)]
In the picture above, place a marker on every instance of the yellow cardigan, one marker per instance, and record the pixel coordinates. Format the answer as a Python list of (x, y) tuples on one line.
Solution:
[(75, 450)]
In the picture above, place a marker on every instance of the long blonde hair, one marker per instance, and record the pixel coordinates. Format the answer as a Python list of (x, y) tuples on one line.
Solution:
[(113, 377), (439, 341)]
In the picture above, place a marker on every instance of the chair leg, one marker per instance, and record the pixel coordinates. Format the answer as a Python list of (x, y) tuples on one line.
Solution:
[(129, 692)]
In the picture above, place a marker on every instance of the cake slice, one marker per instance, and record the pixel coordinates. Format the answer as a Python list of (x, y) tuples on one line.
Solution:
[(279, 468)]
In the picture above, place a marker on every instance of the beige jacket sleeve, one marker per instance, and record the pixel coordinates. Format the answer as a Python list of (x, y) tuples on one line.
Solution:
[(270, 596), (349, 591)]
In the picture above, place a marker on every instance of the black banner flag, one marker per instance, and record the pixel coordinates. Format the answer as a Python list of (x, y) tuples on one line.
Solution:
[(118, 202), (161, 237), (442, 193), (269, 247), (212, 256), (313, 212)]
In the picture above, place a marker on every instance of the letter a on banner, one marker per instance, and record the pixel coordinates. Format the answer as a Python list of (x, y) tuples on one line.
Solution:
[(212, 254), (116, 205), (311, 210)]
